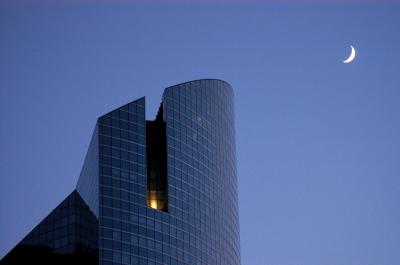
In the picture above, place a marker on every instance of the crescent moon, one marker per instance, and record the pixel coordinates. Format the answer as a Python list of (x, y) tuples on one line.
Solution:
[(352, 55)]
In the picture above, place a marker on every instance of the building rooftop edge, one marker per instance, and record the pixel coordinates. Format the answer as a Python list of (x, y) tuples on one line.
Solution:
[(169, 87), (198, 80)]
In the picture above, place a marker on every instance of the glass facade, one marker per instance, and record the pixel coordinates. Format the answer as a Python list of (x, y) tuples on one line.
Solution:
[(68, 235), (123, 186), (202, 172), (165, 191), (88, 182)]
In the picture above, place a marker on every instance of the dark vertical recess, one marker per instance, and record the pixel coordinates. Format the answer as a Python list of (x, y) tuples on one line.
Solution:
[(156, 150)]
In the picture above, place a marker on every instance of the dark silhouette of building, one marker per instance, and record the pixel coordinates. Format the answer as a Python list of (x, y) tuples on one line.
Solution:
[(150, 192)]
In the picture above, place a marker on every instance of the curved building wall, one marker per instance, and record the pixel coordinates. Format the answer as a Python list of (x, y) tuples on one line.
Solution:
[(182, 163), (125, 230), (202, 171), (200, 225)]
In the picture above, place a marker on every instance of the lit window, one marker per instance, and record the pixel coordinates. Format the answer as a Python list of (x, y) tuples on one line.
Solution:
[(156, 200)]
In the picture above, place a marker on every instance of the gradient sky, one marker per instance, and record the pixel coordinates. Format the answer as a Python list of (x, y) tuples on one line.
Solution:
[(318, 141)]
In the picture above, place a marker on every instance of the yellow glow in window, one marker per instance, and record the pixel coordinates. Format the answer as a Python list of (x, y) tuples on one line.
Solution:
[(153, 204)]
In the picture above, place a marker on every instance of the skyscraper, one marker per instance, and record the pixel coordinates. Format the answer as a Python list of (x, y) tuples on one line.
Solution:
[(151, 192)]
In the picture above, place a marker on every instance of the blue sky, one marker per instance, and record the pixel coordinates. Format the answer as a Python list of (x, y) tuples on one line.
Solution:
[(318, 141)]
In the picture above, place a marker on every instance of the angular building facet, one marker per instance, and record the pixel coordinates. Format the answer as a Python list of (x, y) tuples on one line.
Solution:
[(150, 192)]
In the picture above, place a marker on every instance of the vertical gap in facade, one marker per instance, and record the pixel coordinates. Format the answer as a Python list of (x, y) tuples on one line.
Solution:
[(156, 151)]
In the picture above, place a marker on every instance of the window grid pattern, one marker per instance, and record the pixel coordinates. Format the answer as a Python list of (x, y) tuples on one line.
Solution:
[(69, 227), (202, 171), (107, 216), (201, 226)]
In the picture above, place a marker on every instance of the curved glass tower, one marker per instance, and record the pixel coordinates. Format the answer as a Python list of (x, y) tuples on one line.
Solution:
[(156, 192), (202, 182)]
